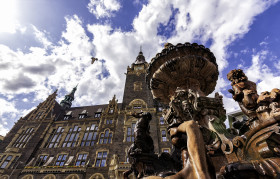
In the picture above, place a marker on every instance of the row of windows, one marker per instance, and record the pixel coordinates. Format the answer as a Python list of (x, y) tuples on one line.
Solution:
[(81, 116), (63, 159), (71, 139), (84, 114)]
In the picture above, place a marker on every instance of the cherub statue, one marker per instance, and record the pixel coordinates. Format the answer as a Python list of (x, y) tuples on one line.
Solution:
[(244, 92)]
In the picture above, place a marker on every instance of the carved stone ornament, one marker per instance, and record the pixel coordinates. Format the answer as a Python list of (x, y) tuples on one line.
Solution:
[(182, 76)]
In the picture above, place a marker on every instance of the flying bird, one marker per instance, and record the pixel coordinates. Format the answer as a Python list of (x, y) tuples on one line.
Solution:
[(93, 60)]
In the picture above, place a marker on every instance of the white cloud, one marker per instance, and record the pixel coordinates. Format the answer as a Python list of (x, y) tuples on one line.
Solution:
[(41, 37), (103, 8), (68, 63), (262, 74)]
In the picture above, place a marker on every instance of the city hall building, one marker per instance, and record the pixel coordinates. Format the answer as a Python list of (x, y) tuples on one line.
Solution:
[(57, 141)]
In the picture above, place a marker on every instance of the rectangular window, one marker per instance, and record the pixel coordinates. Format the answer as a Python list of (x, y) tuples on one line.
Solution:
[(81, 116), (111, 110), (66, 117), (54, 138), (89, 136), (81, 160), (13, 162), (161, 120), (61, 160), (130, 133), (159, 109), (109, 121), (38, 116), (72, 137), (166, 150), (97, 115), (23, 138), (163, 135), (101, 159), (41, 160), (6, 161), (137, 107)]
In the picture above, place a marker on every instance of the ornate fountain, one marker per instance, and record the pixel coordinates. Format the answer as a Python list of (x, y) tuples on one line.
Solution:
[(182, 76)]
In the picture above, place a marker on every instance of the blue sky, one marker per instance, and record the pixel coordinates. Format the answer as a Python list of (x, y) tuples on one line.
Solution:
[(48, 44)]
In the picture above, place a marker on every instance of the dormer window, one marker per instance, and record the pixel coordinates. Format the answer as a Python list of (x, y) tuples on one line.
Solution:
[(97, 115), (111, 110), (67, 115), (83, 114)]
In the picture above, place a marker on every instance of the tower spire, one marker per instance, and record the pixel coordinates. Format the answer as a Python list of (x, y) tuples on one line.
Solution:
[(66, 103), (140, 58)]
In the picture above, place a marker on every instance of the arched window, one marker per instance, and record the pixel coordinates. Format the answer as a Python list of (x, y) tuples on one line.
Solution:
[(106, 137)]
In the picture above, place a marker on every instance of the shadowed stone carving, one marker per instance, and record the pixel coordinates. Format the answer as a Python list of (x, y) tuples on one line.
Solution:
[(182, 76)]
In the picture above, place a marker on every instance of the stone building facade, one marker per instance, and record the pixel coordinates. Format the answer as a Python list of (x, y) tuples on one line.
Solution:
[(56, 141)]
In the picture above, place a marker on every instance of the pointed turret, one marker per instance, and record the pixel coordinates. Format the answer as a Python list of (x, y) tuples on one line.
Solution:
[(67, 102), (43, 109), (140, 58)]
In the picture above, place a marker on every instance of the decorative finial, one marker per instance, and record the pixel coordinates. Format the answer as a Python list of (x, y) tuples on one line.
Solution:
[(140, 48)]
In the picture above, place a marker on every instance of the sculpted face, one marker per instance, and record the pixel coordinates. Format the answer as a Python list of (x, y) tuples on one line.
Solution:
[(236, 76)]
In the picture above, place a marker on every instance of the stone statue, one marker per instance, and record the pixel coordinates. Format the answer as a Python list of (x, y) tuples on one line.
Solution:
[(244, 92), (258, 148), (143, 144)]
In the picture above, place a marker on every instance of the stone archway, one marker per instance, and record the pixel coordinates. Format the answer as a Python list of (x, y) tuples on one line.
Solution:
[(50, 176), (4, 177), (72, 176), (97, 176), (27, 177)]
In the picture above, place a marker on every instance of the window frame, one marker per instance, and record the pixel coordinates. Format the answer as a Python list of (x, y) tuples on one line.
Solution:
[(100, 159), (72, 137), (62, 160), (6, 161), (55, 137), (103, 137), (82, 159), (24, 137), (87, 138), (130, 135), (41, 161), (163, 135)]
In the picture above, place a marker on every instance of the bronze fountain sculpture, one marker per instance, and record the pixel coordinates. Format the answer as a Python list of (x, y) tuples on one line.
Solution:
[(182, 76)]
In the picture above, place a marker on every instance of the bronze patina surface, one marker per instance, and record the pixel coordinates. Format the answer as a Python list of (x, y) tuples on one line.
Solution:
[(182, 76)]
